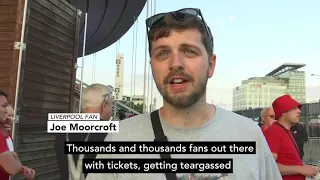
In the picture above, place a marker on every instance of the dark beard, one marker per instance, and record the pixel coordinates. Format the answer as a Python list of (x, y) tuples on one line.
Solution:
[(185, 101)]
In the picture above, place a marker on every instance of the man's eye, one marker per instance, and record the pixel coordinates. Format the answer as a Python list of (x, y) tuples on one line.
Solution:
[(162, 54), (190, 52)]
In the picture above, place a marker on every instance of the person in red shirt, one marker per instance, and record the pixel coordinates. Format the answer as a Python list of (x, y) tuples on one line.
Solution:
[(9, 161), (267, 118), (281, 141)]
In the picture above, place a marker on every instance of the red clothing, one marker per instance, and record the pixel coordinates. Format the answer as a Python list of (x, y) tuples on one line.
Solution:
[(262, 129), (281, 142), (3, 148)]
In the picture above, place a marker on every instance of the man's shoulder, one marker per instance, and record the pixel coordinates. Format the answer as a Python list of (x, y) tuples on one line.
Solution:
[(238, 124), (274, 129), (135, 128), (235, 119), (135, 120)]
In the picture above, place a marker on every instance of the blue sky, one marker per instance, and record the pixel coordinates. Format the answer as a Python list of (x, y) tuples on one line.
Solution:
[(251, 39)]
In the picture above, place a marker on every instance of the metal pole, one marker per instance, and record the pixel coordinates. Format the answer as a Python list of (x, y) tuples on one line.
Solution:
[(148, 91), (151, 96), (135, 59), (252, 106), (132, 62), (148, 73), (145, 64), (115, 110), (83, 54), (16, 117)]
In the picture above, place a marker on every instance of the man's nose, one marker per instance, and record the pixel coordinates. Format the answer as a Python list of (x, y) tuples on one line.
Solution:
[(177, 61)]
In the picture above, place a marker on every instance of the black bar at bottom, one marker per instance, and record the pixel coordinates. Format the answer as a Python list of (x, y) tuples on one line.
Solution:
[(157, 166)]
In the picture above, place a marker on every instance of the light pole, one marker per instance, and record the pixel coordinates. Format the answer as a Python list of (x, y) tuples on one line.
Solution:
[(315, 75)]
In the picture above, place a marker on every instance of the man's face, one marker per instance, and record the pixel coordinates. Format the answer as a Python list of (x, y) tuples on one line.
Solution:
[(10, 114), (3, 111), (9, 110), (293, 115), (268, 117), (181, 67)]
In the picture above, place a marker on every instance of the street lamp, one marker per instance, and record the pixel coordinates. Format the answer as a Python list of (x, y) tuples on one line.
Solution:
[(315, 75)]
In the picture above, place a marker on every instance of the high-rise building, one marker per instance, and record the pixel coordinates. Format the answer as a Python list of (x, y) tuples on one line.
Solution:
[(296, 80), (259, 92)]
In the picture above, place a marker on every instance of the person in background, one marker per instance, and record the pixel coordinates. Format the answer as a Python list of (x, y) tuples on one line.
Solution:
[(96, 98), (301, 136), (9, 161), (9, 126), (182, 62), (267, 118), (282, 143), (260, 122)]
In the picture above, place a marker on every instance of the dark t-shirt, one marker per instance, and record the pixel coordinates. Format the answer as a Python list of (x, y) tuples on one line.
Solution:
[(301, 136)]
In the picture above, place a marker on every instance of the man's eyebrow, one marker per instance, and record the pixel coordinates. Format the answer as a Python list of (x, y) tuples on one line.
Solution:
[(186, 45), (160, 47)]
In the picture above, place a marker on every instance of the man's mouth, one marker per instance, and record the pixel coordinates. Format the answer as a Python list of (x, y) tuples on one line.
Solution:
[(178, 80)]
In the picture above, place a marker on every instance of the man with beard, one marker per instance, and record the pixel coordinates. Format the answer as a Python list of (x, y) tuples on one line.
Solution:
[(182, 61), (283, 146)]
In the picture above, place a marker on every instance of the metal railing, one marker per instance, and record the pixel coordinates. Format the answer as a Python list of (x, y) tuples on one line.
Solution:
[(312, 151), (126, 109)]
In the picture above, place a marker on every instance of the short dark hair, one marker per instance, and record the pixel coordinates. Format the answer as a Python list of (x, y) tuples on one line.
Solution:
[(170, 23), (2, 93)]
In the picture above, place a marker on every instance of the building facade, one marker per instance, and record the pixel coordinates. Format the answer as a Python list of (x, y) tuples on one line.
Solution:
[(257, 92), (296, 85), (260, 92)]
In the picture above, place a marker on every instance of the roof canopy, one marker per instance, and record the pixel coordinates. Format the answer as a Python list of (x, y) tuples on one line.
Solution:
[(108, 21)]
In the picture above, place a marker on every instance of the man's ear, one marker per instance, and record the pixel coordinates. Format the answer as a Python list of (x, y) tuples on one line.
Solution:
[(212, 65), (104, 105)]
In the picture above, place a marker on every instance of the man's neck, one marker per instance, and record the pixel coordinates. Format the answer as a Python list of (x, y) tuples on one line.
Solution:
[(4, 132), (195, 116), (285, 124), (265, 126)]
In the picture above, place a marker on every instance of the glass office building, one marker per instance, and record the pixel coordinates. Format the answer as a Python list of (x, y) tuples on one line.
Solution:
[(260, 92), (296, 85), (257, 92)]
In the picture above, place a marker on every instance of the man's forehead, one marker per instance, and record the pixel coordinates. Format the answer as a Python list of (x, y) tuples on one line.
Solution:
[(269, 111), (9, 108), (3, 99), (190, 36)]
